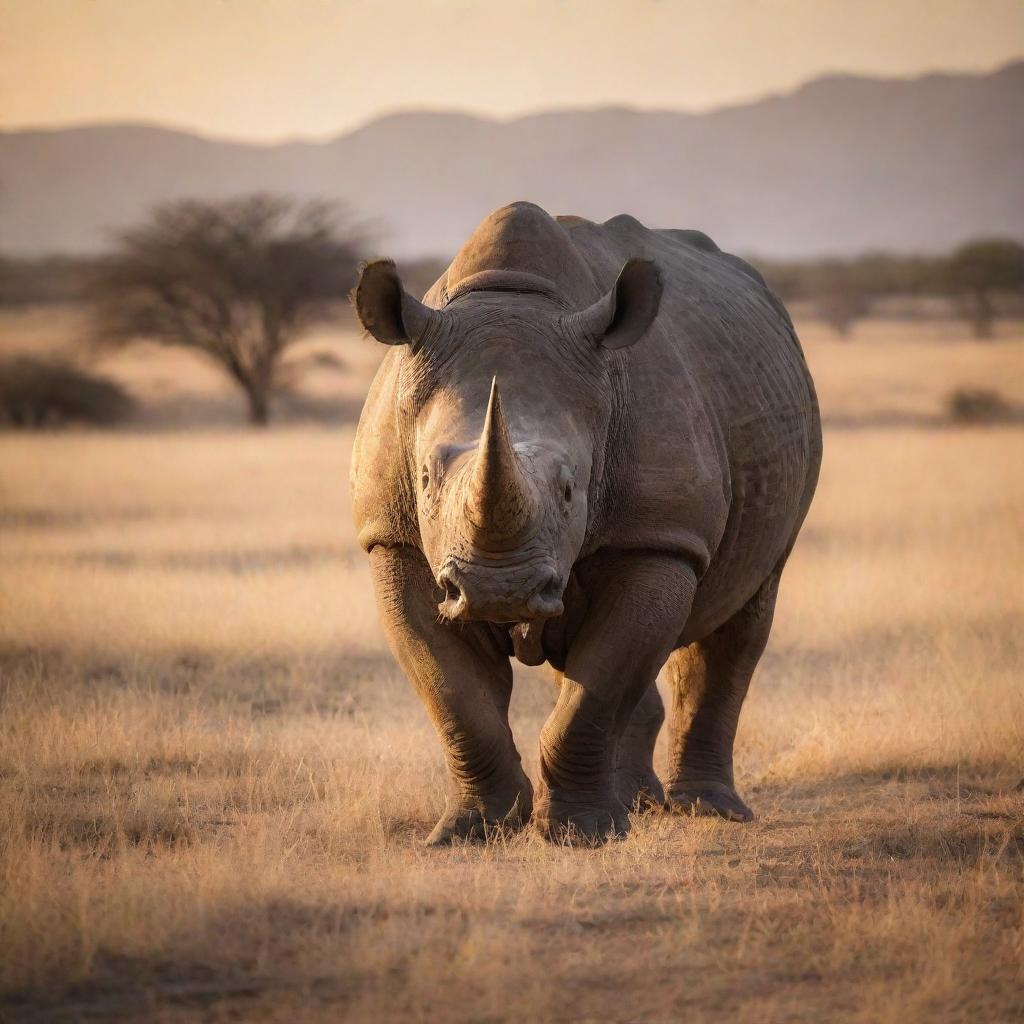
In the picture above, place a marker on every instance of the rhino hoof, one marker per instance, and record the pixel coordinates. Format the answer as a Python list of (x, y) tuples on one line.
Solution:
[(708, 799), (639, 791), (581, 823), (461, 825), (470, 824)]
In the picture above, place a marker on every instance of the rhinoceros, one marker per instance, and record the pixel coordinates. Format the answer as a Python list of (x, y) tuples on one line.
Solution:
[(591, 445)]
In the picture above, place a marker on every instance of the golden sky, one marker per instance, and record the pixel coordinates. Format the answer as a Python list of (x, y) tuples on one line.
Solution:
[(267, 69)]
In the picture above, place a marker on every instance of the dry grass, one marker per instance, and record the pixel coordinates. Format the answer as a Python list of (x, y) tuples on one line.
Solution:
[(213, 782)]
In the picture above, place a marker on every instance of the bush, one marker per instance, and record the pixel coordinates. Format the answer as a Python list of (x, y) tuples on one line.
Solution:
[(48, 280), (36, 393), (978, 405)]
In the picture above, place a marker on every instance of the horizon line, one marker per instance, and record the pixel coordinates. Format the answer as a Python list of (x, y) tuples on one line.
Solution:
[(473, 115)]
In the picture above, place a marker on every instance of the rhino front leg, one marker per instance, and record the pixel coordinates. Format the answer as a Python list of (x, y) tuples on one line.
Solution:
[(709, 681), (638, 606), (465, 681)]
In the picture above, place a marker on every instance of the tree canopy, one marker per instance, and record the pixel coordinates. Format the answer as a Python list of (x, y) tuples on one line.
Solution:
[(239, 280)]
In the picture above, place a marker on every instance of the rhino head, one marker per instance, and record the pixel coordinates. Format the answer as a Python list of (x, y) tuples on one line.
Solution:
[(504, 404)]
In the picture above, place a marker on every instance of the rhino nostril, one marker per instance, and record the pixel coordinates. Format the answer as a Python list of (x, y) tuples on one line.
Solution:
[(553, 586), (452, 591), (547, 598)]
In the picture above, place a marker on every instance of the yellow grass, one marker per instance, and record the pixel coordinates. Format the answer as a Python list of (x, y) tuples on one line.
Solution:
[(213, 781)]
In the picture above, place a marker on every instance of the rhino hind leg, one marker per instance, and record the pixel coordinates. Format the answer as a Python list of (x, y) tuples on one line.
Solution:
[(636, 783), (709, 681)]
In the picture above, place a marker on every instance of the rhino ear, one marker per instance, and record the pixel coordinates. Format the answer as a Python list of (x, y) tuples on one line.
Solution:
[(386, 310), (621, 316)]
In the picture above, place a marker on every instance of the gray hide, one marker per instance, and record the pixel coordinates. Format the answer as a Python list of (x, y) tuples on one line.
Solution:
[(590, 444)]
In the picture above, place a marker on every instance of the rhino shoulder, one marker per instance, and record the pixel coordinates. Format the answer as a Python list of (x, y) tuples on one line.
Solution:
[(383, 507)]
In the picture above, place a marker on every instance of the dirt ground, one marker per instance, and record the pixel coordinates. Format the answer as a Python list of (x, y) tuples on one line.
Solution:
[(214, 782)]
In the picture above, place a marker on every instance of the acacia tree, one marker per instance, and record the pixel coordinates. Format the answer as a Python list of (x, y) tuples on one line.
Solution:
[(238, 280), (978, 270)]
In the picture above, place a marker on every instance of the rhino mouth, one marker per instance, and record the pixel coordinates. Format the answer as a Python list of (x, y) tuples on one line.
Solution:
[(531, 594)]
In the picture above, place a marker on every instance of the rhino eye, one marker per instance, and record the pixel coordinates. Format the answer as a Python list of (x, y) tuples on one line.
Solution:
[(425, 478), (565, 478)]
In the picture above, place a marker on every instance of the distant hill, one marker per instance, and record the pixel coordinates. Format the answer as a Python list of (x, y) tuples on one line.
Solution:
[(841, 165)]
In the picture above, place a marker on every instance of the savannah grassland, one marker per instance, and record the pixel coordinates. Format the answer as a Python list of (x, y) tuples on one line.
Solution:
[(214, 782)]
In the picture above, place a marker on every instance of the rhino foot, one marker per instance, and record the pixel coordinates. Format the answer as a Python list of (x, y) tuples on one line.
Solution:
[(710, 799), (473, 824), (639, 790), (577, 820)]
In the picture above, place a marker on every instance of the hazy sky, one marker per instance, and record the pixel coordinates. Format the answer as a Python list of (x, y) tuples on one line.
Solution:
[(267, 69)]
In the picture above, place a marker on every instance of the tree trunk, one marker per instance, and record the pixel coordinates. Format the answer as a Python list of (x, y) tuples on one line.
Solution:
[(982, 315), (259, 405), (841, 325)]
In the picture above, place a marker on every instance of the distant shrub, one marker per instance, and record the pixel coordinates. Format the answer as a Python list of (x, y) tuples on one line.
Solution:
[(984, 279), (37, 393), (47, 280), (978, 405)]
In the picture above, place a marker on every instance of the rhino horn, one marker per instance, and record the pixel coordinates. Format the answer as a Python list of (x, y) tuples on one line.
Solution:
[(498, 501)]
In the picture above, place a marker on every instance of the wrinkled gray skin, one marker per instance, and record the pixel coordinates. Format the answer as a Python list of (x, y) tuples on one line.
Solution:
[(594, 445)]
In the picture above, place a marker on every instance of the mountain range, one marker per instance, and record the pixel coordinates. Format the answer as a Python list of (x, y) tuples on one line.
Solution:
[(843, 164)]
